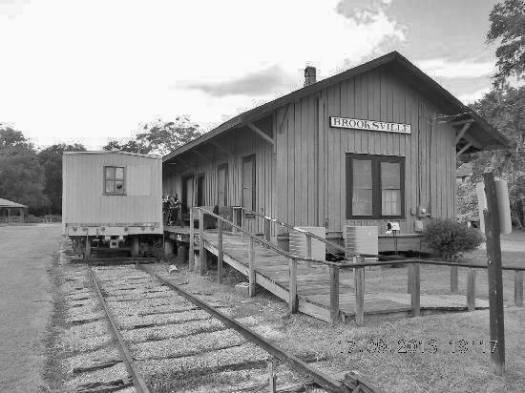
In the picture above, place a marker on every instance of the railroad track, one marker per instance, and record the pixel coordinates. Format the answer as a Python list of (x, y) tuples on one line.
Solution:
[(172, 340)]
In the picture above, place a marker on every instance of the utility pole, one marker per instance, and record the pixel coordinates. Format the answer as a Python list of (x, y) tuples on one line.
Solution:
[(492, 232)]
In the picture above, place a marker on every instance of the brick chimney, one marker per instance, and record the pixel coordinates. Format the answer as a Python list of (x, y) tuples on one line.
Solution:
[(309, 75)]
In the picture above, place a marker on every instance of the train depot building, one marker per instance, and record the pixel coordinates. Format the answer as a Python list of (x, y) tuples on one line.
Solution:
[(375, 144)]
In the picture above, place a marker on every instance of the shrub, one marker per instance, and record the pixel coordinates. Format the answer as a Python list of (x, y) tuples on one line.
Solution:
[(449, 238)]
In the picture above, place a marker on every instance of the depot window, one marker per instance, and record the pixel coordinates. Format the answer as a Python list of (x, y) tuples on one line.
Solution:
[(114, 180), (375, 186)]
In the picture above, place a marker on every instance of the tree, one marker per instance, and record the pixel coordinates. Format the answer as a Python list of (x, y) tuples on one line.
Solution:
[(507, 22), (164, 137), (132, 146), (21, 175), (505, 110), (51, 161), (159, 136), (10, 137)]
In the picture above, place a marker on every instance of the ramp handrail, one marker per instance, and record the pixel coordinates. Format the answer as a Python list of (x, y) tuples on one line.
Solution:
[(307, 233), (265, 242)]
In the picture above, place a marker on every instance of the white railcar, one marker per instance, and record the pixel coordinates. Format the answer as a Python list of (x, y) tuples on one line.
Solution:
[(111, 198)]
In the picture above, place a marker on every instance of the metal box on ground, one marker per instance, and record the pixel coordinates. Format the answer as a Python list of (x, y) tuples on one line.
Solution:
[(361, 239)]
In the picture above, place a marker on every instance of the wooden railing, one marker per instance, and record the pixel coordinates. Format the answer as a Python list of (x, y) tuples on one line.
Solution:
[(293, 300), (358, 265), (239, 214)]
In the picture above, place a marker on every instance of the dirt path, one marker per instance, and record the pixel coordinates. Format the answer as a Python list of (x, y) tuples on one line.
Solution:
[(26, 252)]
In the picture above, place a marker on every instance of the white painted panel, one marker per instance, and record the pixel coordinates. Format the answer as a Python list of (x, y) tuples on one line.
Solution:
[(139, 180)]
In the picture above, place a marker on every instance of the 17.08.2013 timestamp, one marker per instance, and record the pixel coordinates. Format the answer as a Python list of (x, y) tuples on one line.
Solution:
[(430, 345)]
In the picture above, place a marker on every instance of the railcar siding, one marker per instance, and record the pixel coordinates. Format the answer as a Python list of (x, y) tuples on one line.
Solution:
[(84, 201)]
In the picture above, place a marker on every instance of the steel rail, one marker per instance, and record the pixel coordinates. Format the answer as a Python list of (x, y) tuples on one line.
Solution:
[(295, 363), (138, 381)]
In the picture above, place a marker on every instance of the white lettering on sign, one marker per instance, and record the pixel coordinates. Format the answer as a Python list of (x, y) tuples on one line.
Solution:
[(369, 125)]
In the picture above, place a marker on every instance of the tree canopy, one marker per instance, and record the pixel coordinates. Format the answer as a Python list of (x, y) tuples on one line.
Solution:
[(159, 136), (21, 175), (507, 23), (505, 110), (51, 162)]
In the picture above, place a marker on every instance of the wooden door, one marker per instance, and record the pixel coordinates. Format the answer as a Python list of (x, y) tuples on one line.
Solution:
[(248, 182), (222, 185), (187, 193)]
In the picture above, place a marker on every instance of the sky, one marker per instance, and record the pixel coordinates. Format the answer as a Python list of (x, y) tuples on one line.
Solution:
[(89, 71)]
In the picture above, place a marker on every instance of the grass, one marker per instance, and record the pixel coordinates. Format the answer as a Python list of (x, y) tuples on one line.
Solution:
[(431, 363)]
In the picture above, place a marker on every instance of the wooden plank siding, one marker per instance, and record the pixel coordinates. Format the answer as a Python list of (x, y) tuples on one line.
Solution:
[(241, 143), (302, 179), (429, 152)]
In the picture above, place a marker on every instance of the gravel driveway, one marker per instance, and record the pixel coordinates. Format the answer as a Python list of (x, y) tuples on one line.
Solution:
[(25, 302)]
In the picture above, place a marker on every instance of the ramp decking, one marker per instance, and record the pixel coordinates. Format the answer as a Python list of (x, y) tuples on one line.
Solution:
[(313, 282)]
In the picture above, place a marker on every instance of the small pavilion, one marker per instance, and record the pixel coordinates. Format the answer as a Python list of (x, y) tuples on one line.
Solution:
[(11, 211)]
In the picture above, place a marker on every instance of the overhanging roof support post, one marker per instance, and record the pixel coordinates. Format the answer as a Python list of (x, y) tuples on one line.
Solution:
[(462, 132), (463, 149), (261, 133)]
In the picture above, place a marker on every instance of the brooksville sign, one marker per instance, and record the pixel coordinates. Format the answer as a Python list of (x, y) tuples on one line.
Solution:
[(369, 125)]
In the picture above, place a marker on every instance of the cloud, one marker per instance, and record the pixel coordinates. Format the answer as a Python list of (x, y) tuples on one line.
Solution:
[(442, 68), (474, 96), (97, 68), (259, 83), (12, 8)]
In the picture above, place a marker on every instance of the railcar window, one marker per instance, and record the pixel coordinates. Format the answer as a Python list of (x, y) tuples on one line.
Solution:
[(114, 180)]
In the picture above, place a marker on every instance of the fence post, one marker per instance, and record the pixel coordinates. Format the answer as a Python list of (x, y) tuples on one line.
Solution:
[(496, 310), (471, 289), (359, 285), (518, 288), (241, 221), (267, 229), (202, 251), (292, 268), (413, 270), (251, 266), (410, 283), (234, 218), (454, 279), (219, 251), (334, 293), (191, 257), (308, 248)]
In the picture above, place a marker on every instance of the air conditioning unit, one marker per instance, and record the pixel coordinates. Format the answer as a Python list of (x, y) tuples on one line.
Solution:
[(298, 242), (361, 239)]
